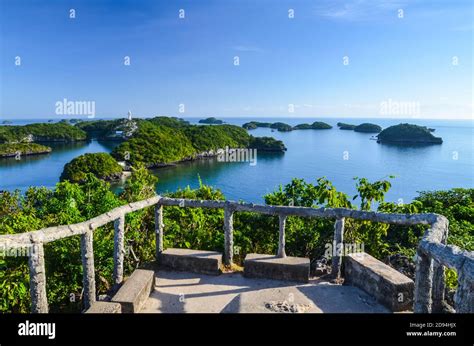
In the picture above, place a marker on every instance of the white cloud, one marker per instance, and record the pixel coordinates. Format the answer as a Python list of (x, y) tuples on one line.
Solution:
[(358, 10)]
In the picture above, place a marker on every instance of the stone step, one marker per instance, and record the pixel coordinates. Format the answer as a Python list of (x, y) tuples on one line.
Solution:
[(197, 261), (272, 267), (135, 291), (388, 286), (104, 308)]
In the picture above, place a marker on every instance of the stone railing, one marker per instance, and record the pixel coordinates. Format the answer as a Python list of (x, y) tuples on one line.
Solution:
[(432, 254)]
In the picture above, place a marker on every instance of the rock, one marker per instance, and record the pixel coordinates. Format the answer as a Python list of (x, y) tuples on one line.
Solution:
[(286, 307), (320, 267)]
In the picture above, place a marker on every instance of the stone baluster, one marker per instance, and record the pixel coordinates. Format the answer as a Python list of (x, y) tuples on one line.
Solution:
[(228, 235), (439, 285), (423, 283), (88, 275), (39, 299), (339, 244), (119, 249), (464, 297), (159, 227), (281, 242)]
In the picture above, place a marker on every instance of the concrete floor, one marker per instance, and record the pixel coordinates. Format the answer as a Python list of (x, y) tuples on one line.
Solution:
[(178, 292)]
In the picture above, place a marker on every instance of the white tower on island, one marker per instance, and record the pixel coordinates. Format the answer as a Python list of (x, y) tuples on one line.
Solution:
[(130, 115)]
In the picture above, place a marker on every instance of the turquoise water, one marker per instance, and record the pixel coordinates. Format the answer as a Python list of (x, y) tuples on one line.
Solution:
[(311, 154)]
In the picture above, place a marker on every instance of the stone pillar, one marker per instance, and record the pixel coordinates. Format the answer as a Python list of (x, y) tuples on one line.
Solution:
[(437, 294), (39, 299), (159, 226), (281, 242), (88, 272), (228, 235), (423, 283), (464, 297), (119, 250), (338, 243)]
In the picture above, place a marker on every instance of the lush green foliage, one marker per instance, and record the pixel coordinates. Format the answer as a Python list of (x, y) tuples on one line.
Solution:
[(163, 140), (368, 128), (102, 165), (154, 145), (203, 228), (169, 121), (41, 133), (408, 133), (205, 138), (11, 149), (98, 128)]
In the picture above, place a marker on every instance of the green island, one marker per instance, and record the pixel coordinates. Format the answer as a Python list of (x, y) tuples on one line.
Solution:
[(368, 128), (252, 125), (69, 203), (266, 144), (211, 120), (117, 129), (161, 141), (102, 165), (58, 132), (14, 149), (317, 125), (283, 127), (408, 134), (345, 126)]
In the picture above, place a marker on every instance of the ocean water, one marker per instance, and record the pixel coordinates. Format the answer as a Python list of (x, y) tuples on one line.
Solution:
[(336, 154)]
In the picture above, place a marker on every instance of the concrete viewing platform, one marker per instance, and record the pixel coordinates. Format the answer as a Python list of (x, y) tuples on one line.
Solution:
[(187, 292)]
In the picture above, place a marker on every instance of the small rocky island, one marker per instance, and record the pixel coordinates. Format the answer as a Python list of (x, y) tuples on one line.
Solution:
[(368, 128), (345, 126), (211, 121), (283, 127), (102, 165), (365, 127), (317, 125), (266, 144), (252, 125), (408, 134), (23, 140), (22, 149)]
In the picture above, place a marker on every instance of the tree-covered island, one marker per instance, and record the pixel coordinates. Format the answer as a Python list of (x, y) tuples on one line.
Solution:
[(283, 127), (368, 128), (211, 121), (20, 149), (408, 134), (58, 132), (161, 141)]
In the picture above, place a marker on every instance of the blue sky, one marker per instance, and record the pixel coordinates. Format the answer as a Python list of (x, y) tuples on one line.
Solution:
[(285, 63)]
